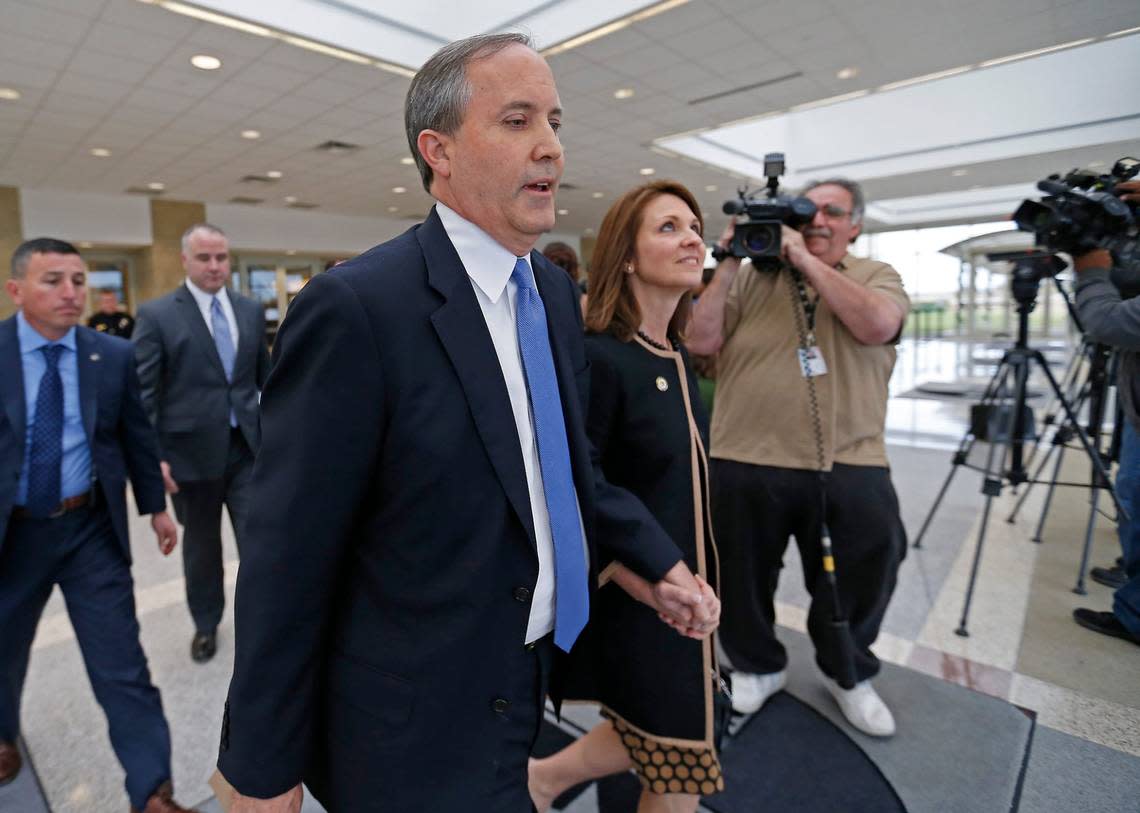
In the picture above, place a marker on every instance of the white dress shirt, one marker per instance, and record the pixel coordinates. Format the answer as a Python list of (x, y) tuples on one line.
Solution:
[(203, 299), (489, 266)]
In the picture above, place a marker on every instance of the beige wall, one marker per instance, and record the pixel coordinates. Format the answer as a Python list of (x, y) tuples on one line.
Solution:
[(11, 235), (158, 269)]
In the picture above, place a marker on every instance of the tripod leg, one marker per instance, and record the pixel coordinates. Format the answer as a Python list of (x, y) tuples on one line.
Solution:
[(1079, 589), (991, 487), (1049, 495), (960, 457), (1029, 487), (1094, 455)]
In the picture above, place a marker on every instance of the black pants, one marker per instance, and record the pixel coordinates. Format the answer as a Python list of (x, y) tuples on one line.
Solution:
[(198, 506), (756, 508)]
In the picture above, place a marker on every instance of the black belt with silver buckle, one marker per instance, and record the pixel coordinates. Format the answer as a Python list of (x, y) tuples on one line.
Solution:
[(64, 507)]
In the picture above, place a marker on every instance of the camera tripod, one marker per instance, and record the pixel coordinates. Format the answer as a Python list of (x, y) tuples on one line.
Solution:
[(1094, 391), (1002, 419)]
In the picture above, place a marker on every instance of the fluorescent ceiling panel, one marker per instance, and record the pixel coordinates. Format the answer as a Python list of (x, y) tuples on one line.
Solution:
[(409, 33), (995, 202), (1067, 99)]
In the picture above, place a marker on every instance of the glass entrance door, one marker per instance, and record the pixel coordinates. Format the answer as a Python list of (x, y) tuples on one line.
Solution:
[(273, 282)]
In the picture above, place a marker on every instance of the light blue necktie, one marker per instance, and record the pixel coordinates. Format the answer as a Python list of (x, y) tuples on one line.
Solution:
[(224, 341), (45, 457), (571, 599)]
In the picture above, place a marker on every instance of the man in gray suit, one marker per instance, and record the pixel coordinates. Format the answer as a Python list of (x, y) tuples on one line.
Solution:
[(202, 360)]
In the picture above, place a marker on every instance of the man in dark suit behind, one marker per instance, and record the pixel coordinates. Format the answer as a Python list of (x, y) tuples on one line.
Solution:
[(420, 548), (72, 430), (202, 360)]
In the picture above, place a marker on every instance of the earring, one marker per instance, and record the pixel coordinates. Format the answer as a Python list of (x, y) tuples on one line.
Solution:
[(629, 268)]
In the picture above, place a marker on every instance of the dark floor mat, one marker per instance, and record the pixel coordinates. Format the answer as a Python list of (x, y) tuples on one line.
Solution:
[(791, 758)]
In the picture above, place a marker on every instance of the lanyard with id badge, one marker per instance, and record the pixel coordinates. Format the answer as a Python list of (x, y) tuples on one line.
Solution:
[(808, 354)]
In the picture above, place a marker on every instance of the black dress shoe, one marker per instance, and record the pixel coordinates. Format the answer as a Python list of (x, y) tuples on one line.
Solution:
[(1109, 576), (1104, 623), (204, 646), (9, 762)]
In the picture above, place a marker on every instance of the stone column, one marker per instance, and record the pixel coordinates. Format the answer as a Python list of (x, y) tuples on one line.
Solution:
[(159, 268), (11, 235)]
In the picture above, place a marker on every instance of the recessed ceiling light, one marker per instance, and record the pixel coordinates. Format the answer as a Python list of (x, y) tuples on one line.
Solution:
[(9, 94), (86, 244), (712, 187), (393, 208), (407, 160), (850, 72), (623, 93), (251, 134), (290, 198), (960, 172), (399, 190), (598, 195), (647, 170), (275, 174), (205, 62), (588, 231), (157, 186), (101, 152), (291, 251), (563, 211)]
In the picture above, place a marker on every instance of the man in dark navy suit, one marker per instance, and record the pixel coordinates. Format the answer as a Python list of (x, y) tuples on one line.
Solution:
[(419, 554), (72, 431)]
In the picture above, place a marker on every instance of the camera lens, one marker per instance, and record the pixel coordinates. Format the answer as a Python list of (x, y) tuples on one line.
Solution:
[(760, 240)]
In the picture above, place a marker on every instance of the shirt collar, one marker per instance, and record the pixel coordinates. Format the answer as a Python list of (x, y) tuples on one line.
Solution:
[(487, 263), (203, 298), (32, 340)]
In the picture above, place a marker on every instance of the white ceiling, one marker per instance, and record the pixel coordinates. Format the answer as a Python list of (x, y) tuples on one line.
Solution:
[(116, 74)]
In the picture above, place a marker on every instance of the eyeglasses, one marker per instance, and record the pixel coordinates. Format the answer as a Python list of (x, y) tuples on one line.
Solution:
[(833, 212)]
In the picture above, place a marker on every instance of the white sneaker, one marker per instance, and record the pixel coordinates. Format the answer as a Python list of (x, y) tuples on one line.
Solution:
[(751, 691), (863, 707)]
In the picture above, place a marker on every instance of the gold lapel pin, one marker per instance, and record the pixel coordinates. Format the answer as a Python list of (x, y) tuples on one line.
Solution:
[(95, 356), (662, 384)]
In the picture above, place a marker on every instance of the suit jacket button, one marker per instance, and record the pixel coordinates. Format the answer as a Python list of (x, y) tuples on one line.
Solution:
[(500, 706), (522, 594)]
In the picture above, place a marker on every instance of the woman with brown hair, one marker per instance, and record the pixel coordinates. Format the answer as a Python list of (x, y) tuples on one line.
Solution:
[(656, 688)]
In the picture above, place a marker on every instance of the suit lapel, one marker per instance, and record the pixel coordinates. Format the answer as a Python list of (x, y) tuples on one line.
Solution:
[(462, 330), (12, 372), (88, 361), (188, 307)]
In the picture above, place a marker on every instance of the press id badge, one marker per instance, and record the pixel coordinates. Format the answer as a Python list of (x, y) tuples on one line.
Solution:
[(811, 361)]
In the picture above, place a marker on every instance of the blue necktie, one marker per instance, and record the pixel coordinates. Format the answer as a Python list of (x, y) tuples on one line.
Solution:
[(571, 599), (222, 338), (45, 459), (225, 344)]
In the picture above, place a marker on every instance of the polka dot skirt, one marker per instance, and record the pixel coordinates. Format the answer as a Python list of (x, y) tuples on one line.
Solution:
[(664, 768)]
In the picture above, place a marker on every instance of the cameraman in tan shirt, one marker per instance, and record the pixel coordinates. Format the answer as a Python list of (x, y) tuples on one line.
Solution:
[(836, 326)]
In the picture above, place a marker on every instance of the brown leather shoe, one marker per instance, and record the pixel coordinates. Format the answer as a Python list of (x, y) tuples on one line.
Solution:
[(10, 762), (162, 801)]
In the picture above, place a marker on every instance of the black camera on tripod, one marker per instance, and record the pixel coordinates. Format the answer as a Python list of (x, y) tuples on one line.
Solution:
[(1082, 212), (757, 238)]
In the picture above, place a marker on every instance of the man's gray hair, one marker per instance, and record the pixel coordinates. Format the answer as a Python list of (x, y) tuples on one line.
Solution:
[(209, 228), (858, 205), (439, 93)]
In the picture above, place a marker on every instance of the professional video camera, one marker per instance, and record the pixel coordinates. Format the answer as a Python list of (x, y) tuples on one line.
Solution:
[(1081, 212), (758, 237)]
